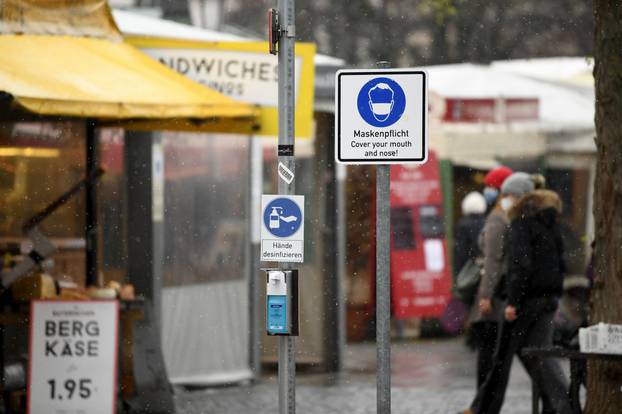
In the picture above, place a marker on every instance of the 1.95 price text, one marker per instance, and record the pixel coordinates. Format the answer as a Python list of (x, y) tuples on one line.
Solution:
[(81, 388)]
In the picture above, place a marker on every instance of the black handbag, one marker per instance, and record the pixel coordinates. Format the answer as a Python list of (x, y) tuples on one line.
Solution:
[(467, 281)]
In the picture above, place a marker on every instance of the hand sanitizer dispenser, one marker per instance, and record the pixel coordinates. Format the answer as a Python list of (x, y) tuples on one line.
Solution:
[(282, 302)]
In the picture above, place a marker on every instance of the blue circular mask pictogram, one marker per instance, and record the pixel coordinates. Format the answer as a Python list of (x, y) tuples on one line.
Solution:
[(381, 102), (282, 217)]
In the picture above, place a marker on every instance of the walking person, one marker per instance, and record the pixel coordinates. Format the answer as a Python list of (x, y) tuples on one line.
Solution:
[(533, 285), (487, 307), (487, 310), (493, 181), (468, 229)]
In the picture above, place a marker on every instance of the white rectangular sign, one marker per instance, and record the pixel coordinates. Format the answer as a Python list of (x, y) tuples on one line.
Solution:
[(73, 357), (381, 116), (247, 76), (282, 228)]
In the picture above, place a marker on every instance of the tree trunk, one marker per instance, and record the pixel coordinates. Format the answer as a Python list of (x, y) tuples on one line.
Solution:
[(605, 379)]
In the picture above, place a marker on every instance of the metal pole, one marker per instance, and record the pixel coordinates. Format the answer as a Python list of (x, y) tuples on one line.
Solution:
[(91, 205), (383, 290), (287, 350), (383, 286), (340, 171)]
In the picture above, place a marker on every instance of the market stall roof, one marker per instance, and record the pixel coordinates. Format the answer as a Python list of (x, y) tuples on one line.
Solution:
[(562, 105), (95, 78), (96, 75), (565, 122), (569, 71)]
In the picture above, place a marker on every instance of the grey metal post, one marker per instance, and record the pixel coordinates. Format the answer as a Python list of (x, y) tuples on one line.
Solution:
[(340, 171), (145, 216), (144, 163), (287, 350), (383, 290), (383, 286)]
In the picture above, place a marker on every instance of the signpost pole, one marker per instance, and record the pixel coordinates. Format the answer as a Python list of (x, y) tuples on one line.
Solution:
[(383, 285), (370, 129), (383, 290), (287, 362)]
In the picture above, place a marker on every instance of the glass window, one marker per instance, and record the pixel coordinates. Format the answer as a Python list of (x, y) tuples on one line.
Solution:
[(39, 161), (403, 228), (31, 153), (206, 197)]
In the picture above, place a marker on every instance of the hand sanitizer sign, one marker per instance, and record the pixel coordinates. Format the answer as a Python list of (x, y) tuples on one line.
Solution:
[(282, 228)]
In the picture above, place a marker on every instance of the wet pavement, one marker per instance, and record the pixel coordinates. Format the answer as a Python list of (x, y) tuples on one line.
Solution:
[(428, 377)]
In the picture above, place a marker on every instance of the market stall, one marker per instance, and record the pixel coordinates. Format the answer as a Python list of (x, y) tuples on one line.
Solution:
[(213, 270), (67, 79)]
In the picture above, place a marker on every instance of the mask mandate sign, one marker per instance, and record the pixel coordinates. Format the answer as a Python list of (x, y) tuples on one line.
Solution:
[(381, 116)]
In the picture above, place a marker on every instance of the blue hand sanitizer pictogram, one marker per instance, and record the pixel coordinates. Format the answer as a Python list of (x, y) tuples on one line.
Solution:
[(282, 217)]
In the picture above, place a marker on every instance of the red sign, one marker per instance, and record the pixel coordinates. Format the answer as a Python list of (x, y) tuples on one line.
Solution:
[(420, 274)]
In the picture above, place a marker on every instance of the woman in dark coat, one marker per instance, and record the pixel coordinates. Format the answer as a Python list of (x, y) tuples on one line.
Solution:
[(487, 310), (533, 286)]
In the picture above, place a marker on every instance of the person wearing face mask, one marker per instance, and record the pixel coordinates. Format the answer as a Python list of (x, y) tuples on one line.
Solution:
[(493, 181), (534, 276), (487, 308)]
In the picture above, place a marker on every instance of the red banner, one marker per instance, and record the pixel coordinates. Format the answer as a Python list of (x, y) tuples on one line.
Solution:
[(420, 273)]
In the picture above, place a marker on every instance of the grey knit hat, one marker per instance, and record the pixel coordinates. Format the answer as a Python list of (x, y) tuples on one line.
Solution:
[(518, 184)]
